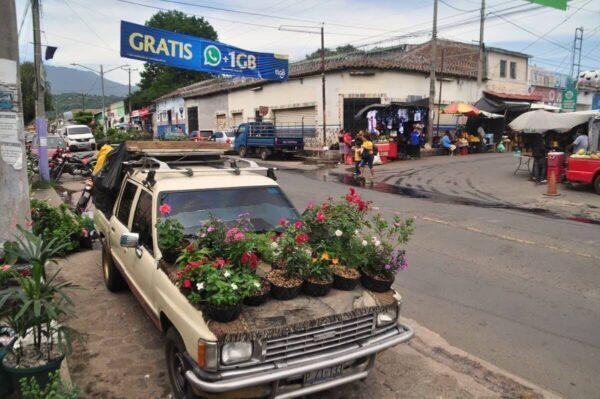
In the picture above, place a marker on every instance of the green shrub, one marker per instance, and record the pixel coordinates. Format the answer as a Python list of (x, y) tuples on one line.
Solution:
[(56, 389), (55, 222)]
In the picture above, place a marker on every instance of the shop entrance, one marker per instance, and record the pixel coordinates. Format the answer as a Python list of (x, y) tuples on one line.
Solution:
[(192, 113), (351, 107)]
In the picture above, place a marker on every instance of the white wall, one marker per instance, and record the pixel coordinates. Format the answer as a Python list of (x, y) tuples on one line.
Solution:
[(506, 84), (208, 108)]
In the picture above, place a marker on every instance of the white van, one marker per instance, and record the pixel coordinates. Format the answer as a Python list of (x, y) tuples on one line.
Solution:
[(78, 137)]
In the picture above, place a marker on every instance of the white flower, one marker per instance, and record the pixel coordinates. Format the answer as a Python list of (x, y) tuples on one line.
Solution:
[(374, 238), (308, 251), (377, 243), (226, 274), (257, 284), (338, 233), (274, 245), (200, 286), (234, 286), (364, 243), (355, 232)]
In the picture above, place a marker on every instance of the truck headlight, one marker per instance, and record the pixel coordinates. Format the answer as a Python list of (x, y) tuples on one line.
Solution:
[(236, 352), (387, 317)]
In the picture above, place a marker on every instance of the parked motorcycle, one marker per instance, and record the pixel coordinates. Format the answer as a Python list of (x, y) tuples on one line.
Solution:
[(64, 162), (84, 200)]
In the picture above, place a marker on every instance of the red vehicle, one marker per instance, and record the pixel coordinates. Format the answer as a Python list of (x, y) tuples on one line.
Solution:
[(53, 143), (587, 169)]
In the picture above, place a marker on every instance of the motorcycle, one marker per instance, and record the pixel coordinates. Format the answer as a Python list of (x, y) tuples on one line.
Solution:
[(64, 162), (83, 201)]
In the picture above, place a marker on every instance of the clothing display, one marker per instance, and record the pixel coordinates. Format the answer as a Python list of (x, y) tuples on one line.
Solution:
[(372, 121)]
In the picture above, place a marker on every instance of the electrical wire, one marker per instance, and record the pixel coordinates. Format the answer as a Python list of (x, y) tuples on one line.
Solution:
[(86, 24), (27, 4)]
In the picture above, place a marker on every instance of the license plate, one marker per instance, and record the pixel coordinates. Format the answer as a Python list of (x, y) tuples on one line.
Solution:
[(317, 376)]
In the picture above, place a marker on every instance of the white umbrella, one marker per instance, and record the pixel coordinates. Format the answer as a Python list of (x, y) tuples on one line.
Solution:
[(541, 121)]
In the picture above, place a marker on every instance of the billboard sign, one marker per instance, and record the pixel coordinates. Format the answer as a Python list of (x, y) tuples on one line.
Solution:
[(189, 52)]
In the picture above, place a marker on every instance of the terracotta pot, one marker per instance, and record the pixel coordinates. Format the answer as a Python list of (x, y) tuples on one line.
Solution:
[(313, 288), (223, 314), (373, 284)]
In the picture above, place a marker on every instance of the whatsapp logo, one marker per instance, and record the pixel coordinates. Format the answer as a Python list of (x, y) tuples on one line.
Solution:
[(212, 55)]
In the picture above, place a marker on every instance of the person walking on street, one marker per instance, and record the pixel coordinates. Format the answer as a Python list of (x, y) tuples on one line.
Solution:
[(367, 155), (357, 155), (581, 142), (539, 152), (481, 135), (415, 143)]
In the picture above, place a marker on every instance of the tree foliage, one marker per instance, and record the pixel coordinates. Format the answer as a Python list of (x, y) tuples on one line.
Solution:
[(157, 80), (27, 73), (83, 118), (329, 52)]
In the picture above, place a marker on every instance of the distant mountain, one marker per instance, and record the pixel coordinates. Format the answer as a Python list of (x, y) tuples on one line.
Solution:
[(71, 80), (71, 101)]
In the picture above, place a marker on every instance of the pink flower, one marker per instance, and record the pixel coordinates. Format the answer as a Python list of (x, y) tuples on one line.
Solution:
[(250, 258), (298, 224), (29, 223), (210, 229), (234, 234), (218, 263), (309, 205), (238, 236), (282, 222), (85, 232), (5, 268), (187, 283), (165, 209), (320, 216)]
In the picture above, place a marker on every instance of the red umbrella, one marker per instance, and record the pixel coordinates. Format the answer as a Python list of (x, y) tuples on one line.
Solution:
[(462, 109)]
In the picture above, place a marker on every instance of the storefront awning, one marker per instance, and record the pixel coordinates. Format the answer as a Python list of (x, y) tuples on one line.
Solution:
[(541, 121)]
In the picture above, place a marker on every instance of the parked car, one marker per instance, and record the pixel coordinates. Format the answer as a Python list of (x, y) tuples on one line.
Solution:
[(201, 135), (78, 137), (284, 359), (225, 137), (53, 143)]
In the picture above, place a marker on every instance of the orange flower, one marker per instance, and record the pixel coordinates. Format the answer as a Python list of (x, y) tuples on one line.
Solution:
[(325, 256), (335, 261)]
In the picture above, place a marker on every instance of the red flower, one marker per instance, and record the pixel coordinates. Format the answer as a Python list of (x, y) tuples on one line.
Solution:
[(298, 224), (187, 283), (218, 263), (325, 206), (85, 232), (349, 198), (320, 216), (283, 222), (352, 191), (309, 205), (165, 209), (250, 258), (301, 239), (273, 238), (190, 248)]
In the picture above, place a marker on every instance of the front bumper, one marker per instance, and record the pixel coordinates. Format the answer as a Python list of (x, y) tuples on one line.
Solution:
[(360, 357)]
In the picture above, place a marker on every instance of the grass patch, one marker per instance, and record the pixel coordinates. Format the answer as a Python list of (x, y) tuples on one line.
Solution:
[(41, 185)]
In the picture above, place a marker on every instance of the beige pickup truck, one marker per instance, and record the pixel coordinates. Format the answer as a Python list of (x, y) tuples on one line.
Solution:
[(283, 349)]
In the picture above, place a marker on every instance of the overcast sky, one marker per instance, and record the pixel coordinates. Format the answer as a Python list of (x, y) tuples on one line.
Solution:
[(87, 32)]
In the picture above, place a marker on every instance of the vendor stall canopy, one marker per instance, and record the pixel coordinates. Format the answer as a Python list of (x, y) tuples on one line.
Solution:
[(541, 121)]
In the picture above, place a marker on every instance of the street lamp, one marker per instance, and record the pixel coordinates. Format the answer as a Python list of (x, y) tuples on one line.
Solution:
[(317, 31), (101, 73)]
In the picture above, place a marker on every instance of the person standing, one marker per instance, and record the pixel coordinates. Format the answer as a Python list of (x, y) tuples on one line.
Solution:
[(581, 142), (481, 135), (357, 155), (415, 143), (367, 155), (539, 151), (341, 146)]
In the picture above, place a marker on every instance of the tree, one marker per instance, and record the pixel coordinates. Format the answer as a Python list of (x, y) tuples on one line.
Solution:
[(27, 73), (83, 118), (348, 48), (158, 80)]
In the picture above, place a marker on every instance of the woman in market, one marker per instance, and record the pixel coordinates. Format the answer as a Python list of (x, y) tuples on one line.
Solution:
[(447, 143), (367, 155), (415, 143)]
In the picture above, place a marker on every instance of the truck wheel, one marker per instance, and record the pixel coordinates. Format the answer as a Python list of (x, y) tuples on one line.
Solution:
[(112, 276), (242, 152), (177, 365), (264, 154), (597, 184)]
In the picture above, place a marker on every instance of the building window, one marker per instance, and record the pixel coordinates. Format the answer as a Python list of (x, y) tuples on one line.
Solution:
[(502, 68), (513, 70)]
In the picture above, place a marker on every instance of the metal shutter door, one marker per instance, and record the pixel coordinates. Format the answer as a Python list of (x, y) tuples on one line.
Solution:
[(221, 122), (296, 116)]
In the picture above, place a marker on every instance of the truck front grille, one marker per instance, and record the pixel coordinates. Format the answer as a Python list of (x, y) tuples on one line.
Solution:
[(318, 339)]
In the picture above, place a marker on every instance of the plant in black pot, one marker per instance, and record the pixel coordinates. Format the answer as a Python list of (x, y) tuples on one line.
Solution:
[(224, 294), (381, 257), (293, 253), (318, 275), (40, 306), (86, 224), (170, 235), (255, 289)]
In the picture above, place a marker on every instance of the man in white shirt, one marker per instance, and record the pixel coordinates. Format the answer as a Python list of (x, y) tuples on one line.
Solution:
[(580, 143)]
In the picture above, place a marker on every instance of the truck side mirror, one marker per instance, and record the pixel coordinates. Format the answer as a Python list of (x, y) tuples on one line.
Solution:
[(129, 240)]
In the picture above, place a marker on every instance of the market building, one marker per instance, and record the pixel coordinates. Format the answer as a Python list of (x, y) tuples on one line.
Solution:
[(394, 75), (547, 84)]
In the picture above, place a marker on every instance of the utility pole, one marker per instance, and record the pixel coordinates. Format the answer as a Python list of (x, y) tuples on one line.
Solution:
[(432, 72), (481, 54), (576, 54), (103, 103), (14, 191), (323, 85), (41, 125), (82, 102), (129, 88), (440, 98)]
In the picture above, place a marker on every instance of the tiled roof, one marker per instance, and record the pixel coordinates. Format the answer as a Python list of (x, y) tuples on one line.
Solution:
[(460, 60), (513, 96)]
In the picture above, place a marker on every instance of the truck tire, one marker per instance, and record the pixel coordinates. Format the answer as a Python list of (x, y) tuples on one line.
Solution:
[(243, 152), (597, 184), (112, 276), (177, 366), (264, 154)]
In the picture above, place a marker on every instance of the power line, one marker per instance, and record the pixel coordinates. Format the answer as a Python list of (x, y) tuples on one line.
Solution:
[(85, 23)]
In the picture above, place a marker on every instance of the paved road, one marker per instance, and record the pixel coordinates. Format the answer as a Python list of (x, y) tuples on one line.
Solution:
[(519, 290)]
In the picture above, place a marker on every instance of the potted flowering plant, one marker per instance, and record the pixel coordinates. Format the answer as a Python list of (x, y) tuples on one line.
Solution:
[(380, 259), (318, 275), (8, 276), (292, 252), (87, 229), (255, 289), (170, 235), (332, 225)]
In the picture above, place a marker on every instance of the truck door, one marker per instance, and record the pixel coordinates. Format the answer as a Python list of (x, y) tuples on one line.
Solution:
[(120, 222), (142, 263), (240, 137)]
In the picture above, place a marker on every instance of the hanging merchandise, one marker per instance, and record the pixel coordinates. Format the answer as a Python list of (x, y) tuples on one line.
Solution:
[(372, 121), (417, 116)]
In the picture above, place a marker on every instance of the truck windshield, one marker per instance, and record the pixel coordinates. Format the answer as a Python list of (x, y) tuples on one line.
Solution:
[(265, 206)]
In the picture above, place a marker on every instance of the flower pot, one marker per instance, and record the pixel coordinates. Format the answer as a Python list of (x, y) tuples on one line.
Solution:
[(6, 385), (343, 281), (223, 314), (317, 288), (86, 242), (259, 299), (282, 288), (375, 284), (40, 373)]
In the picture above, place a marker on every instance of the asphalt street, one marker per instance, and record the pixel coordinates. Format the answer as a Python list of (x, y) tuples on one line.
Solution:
[(517, 289)]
